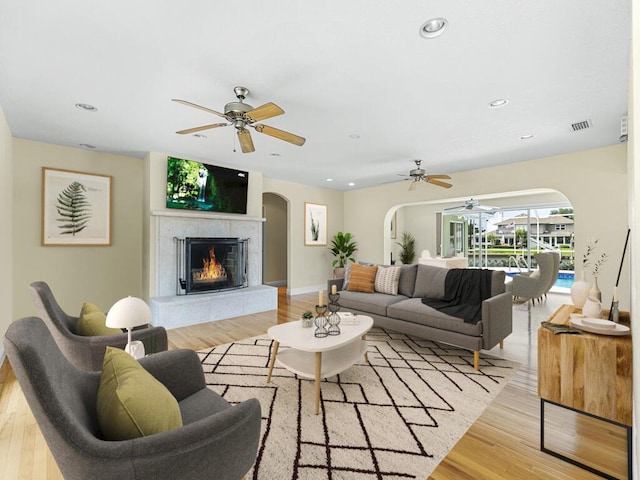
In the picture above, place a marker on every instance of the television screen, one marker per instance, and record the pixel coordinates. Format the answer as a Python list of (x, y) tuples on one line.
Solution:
[(198, 186)]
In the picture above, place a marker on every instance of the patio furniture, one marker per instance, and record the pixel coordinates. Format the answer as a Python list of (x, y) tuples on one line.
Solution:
[(534, 285)]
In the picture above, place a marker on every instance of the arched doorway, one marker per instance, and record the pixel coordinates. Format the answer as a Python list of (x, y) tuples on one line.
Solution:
[(274, 240)]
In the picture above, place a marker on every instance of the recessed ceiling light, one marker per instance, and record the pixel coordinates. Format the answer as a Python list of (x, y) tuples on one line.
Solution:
[(433, 28), (527, 136), (86, 107), (354, 135), (200, 135), (329, 180), (501, 102), (274, 154), (86, 145), (351, 184)]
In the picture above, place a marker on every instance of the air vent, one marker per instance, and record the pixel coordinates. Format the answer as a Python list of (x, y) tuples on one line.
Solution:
[(583, 125)]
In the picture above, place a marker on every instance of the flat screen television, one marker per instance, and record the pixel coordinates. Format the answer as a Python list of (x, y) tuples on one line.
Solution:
[(199, 186)]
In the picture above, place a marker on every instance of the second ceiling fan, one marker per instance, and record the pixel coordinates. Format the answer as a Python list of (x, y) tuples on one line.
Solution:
[(418, 175), (242, 115)]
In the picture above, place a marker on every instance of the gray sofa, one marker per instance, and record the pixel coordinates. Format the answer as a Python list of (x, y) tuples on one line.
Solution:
[(406, 313)]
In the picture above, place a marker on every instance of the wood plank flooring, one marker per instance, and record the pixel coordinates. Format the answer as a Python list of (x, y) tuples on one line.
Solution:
[(502, 444)]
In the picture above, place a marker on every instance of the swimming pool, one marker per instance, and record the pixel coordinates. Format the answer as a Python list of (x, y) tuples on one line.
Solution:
[(565, 279)]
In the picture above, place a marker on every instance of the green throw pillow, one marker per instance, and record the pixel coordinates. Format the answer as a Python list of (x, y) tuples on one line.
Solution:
[(131, 402), (92, 321)]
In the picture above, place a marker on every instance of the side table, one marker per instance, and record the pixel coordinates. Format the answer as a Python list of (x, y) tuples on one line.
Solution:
[(586, 373)]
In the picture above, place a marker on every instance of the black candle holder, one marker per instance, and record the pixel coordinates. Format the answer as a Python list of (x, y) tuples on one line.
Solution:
[(321, 321), (334, 318)]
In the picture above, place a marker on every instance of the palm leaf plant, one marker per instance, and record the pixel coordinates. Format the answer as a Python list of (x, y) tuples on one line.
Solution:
[(407, 248), (343, 247)]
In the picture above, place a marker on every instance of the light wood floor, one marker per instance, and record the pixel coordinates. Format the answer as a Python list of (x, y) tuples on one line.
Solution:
[(502, 444)]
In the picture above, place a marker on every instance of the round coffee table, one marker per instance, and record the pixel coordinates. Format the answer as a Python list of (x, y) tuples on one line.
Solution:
[(345, 349)]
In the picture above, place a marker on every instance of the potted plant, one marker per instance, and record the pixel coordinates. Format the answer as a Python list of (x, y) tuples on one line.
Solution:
[(307, 319), (342, 247), (408, 248)]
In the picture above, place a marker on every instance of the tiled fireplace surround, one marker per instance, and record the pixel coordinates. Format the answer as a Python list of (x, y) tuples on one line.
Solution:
[(170, 310)]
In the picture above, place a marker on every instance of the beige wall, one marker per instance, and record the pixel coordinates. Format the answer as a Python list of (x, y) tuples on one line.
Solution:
[(594, 182), (309, 266), (76, 274), (275, 239), (6, 217), (634, 221)]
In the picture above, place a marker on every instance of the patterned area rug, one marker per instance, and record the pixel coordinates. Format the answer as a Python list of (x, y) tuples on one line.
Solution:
[(394, 417)]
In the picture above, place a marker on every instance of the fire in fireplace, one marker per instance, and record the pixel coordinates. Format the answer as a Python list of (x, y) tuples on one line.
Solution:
[(211, 264)]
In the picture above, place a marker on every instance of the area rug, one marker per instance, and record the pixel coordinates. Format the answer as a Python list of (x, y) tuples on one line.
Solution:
[(393, 417)]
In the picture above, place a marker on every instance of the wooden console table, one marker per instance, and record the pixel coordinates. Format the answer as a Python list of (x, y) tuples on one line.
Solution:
[(586, 373)]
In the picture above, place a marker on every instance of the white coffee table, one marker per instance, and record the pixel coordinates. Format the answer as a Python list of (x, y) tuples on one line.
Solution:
[(345, 349)]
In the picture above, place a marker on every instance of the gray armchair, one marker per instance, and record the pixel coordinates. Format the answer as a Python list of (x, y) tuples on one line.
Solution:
[(87, 353), (217, 440), (536, 284)]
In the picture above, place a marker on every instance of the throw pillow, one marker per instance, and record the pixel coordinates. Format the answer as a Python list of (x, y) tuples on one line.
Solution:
[(362, 278), (387, 280), (91, 322), (131, 402)]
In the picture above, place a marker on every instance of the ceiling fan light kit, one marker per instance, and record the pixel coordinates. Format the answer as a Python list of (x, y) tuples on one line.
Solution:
[(242, 115)]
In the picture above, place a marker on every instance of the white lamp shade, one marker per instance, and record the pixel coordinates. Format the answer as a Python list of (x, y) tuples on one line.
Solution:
[(128, 312)]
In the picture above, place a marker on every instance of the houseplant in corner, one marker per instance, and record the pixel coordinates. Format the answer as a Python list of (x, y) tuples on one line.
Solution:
[(407, 248), (342, 247)]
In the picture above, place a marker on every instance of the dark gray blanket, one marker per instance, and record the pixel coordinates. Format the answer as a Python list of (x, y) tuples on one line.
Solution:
[(464, 291)]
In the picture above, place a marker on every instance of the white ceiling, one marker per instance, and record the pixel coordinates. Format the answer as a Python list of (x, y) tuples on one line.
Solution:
[(337, 68)]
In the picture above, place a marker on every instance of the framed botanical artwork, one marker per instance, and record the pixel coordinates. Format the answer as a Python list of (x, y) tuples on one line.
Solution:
[(76, 208), (394, 224), (315, 224)]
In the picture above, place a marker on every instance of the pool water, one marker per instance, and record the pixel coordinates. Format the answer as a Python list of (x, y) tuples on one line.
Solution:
[(565, 279)]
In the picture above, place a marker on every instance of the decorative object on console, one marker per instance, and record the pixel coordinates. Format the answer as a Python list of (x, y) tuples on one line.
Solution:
[(594, 291), (334, 307), (595, 268), (592, 308), (615, 290), (307, 319), (321, 322), (127, 313), (76, 208), (315, 224), (580, 291), (342, 247)]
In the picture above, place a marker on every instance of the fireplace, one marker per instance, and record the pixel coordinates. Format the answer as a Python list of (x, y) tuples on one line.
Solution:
[(211, 264)]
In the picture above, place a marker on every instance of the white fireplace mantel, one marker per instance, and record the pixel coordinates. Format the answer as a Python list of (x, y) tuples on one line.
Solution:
[(167, 225)]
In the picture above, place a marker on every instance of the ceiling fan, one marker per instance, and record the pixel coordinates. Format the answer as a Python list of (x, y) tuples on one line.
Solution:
[(418, 174), (242, 115)]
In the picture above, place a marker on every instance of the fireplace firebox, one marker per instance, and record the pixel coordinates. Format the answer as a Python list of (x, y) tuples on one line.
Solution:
[(211, 264)]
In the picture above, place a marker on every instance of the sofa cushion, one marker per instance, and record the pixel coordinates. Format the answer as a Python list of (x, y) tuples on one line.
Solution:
[(407, 281), (375, 303), (362, 278), (131, 402), (413, 310), (430, 281), (387, 280)]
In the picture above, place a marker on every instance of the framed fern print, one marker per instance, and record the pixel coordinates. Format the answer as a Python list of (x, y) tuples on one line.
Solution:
[(76, 208), (315, 224)]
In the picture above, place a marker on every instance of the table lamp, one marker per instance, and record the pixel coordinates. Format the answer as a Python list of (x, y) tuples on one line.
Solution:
[(127, 313)]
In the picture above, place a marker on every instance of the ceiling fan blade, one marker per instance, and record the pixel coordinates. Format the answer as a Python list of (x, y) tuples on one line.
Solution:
[(200, 107), (246, 142), (199, 129), (280, 134), (447, 177), (267, 110), (438, 183), (412, 187)]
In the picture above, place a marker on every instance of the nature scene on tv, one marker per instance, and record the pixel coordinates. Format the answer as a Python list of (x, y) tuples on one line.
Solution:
[(198, 186)]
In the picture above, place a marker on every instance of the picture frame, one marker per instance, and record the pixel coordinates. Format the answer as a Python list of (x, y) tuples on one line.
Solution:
[(315, 224), (394, 224), (76, 208)]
